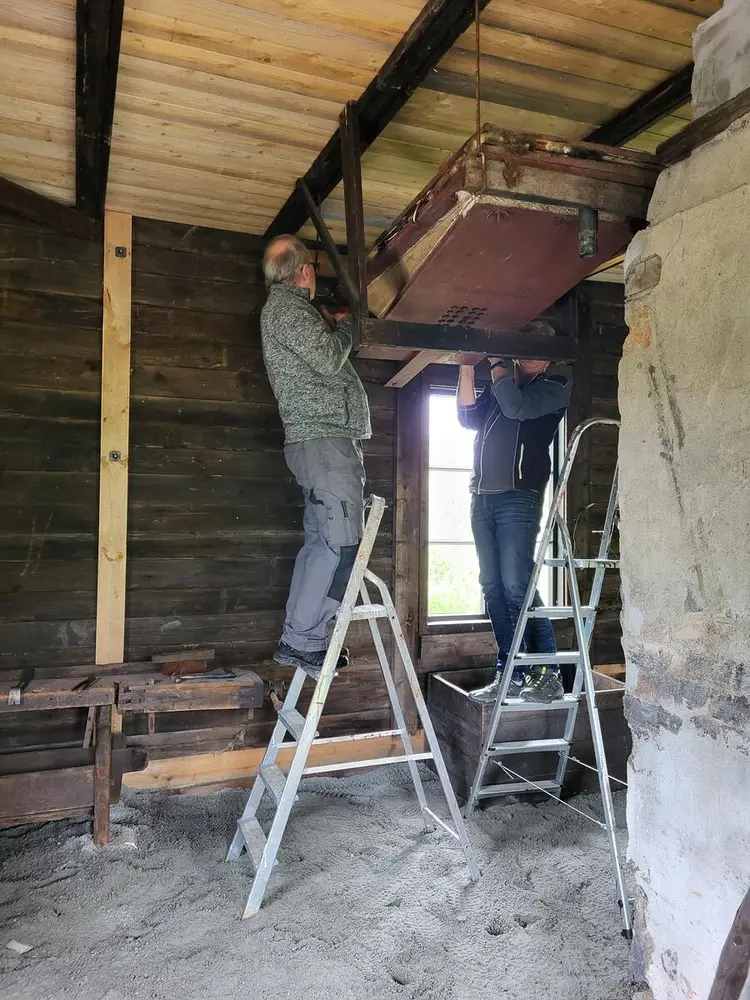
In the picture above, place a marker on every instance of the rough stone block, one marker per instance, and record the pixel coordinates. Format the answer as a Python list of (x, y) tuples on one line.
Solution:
[(721, 53)]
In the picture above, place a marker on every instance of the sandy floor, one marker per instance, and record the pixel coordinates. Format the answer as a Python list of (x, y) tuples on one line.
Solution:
[(364, 905)]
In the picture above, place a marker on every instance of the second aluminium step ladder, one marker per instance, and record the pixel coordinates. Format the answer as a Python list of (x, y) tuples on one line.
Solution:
[(261, 848), (583, 617)]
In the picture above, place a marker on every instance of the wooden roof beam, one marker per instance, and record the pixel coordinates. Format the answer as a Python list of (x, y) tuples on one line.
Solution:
[(30, 204), (438, 25), (98, 32), (648, 109)]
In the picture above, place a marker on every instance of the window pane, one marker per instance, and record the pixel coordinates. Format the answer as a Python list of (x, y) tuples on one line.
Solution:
[(453, 581), (449, 501), (451, 445)]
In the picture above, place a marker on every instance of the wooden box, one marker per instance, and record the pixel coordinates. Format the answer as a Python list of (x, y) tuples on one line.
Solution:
[(461, 724)]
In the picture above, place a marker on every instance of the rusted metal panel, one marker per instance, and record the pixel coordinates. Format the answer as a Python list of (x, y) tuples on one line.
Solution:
[(493, 241)]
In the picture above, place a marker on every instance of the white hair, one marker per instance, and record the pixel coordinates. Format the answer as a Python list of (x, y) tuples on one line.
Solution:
[(283, 258)]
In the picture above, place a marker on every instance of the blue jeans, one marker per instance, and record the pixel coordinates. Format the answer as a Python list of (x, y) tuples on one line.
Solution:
[(505, 528)]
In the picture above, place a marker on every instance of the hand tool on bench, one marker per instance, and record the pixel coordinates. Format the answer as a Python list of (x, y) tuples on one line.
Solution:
[(215, 675), (85, 683), (15, 695)]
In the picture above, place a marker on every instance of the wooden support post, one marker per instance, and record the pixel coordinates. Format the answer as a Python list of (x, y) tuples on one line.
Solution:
[(408, 538), (102, 775), (114, 457), (353, 204)]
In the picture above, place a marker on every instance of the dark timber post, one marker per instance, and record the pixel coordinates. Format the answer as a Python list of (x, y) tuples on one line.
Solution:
[(355, 214)]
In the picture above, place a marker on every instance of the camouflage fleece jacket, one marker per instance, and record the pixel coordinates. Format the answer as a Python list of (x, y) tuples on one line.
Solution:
[(318, 392)]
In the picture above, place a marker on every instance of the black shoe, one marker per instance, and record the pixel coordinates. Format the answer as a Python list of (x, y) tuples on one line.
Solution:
[(542, 685), (488, 694), (310, 662)]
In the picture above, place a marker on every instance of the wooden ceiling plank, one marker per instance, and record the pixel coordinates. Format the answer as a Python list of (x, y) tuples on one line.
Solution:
[(641, 17), (578, 31), (222, 60), (428, 38), (98, 31), (560, 58), (648, 109)]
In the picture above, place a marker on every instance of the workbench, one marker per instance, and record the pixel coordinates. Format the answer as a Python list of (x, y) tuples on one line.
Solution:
[(57, 782)]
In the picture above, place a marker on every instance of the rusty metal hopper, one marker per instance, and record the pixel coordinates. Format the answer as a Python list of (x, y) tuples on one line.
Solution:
[(494, 240)]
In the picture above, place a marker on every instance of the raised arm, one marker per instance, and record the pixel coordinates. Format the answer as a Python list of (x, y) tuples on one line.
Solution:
[(472, 412), (305, 332), (534, 399)]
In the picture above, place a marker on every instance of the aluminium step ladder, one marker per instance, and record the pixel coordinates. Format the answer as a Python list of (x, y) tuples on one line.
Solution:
[(584, 617), (250, 837)]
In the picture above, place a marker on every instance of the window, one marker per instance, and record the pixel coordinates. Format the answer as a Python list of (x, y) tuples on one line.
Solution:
[(453, 571)]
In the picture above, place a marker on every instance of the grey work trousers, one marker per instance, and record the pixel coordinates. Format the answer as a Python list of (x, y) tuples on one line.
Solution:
[(332, 477)]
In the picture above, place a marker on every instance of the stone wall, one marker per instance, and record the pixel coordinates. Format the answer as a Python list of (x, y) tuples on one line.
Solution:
[(685, 537)]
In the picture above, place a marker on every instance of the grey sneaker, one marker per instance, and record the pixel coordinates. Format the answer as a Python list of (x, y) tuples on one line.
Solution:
[(310, 662), (542, 685), (488, 694)]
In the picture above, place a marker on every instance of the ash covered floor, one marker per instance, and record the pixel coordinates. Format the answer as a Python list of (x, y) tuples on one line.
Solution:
[(363, 905)]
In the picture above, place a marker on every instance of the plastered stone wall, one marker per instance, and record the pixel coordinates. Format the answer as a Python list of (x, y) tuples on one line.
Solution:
[(685, 542), (721, 53)]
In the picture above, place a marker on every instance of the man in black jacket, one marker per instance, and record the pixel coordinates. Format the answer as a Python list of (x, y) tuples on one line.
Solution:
[(516, 418)]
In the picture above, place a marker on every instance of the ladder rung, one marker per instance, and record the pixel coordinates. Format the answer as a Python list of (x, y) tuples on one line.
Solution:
[(585, 563), (293, 721), (274, 779), (529, 746), (351, 765), (369, 611), (559, 612), (567, 702), (255, 839), (545, 659), (440, 822), (514, 787)]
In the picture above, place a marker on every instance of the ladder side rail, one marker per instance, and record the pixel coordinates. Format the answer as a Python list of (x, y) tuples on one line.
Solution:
[(398, 711), (269, 757), (424, 716), (364, 551), (598, 741), (605, 546)]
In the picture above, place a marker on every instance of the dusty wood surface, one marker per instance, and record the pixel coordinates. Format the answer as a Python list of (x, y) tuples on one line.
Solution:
[(102, 775), (44, 694), (157, 693)]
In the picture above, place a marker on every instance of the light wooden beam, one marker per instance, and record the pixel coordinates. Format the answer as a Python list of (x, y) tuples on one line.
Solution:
[(240, 766), (418, 363), (114, 455)]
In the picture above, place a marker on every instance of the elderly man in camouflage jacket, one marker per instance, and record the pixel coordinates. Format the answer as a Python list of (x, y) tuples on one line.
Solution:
[(324, 410)]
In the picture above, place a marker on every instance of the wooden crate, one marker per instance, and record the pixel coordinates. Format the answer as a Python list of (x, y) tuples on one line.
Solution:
[(461, 724)]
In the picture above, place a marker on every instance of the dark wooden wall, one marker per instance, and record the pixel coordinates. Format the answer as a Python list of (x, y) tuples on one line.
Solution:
[(601, 332), (214, 517)]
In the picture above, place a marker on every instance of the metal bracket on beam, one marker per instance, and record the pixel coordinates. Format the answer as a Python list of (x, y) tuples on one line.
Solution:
[(329, 246), (588, 231)]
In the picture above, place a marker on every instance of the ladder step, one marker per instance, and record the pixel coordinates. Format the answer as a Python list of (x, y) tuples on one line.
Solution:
[(514, 787), (293, 721), (362, 611), (545, 659), (274, 779), (529, 746), (567, 702), (586, 563), (255, 839), (559, 612)]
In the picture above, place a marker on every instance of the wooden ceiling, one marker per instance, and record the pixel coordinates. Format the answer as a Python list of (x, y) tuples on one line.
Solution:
[(222, 105)]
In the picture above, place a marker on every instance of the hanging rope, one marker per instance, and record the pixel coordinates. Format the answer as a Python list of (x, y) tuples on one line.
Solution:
[(477, 91)]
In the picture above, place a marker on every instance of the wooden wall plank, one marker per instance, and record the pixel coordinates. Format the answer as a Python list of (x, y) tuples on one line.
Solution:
[(114, 450)]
